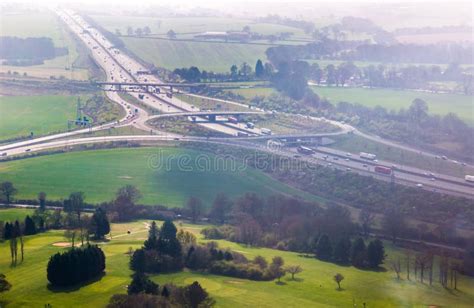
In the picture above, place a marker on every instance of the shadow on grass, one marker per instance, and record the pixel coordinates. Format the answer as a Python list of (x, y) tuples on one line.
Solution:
[(75, 287), (296, 279), (280, 283)]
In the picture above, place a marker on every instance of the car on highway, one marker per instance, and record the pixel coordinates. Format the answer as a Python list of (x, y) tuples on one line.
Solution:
[(4, 154), (419, 185), (335, 158), (27, 150)]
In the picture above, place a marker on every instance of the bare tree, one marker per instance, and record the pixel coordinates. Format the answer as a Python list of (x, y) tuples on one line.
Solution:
[(408, 260), (366, 219), (293, 270), (397, 268), (443, 271)]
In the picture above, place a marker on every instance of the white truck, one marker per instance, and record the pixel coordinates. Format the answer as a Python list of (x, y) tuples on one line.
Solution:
[(469, 178), (266, 131), (368, 156)]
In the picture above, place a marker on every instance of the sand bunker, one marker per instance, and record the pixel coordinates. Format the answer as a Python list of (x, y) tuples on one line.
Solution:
[(62, 244)]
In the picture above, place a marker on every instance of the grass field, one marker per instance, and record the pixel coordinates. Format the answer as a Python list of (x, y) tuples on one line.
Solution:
[(438, 103), (11, 214), (314, 287), (45, 114), (100, 173), (217, 57), (188, 25), (210, 56), (42, 24), (20, 115)]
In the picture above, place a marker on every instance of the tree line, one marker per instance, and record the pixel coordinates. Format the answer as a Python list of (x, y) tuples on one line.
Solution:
[(244, 72), (28, 51), (353, 50)]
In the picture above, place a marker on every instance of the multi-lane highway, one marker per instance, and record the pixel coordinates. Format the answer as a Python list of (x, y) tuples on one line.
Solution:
[(120, 67)]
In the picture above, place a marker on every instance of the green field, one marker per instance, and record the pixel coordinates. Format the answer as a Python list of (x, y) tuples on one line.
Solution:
[(217, 57), (100, 173), (20, 115), (186, 26), (462, 105), (14, 214), (438, 103), (42, 24), (314, 287)]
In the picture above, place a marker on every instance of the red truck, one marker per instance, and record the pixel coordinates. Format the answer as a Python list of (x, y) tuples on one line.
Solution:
[(383, 170), (232, 120)]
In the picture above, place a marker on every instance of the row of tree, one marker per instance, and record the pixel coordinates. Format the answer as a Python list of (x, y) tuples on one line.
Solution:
[(405, 77), (243, 73), (137, 31), (355, 253)]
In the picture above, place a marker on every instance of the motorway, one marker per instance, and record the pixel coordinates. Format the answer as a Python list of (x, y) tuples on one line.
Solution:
[(454, 186), (119, 67), (122, 68)]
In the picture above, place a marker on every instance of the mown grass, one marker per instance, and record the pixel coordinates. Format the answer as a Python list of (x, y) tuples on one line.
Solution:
[(314, 287), (170, 182)]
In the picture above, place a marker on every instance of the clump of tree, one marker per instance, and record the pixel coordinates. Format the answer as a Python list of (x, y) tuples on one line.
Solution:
[(75, 266), (193, 295), (161, 252), (356, 253), (28, 51), (166, 250)]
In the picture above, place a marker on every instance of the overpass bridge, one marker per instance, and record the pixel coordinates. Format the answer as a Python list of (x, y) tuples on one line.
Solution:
[(210, 116), (153, 86)]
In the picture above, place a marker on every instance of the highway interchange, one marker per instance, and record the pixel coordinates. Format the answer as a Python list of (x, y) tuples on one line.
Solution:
[(120, 67)]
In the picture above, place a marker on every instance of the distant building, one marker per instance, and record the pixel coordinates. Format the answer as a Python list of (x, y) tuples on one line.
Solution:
[(227, 36)]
